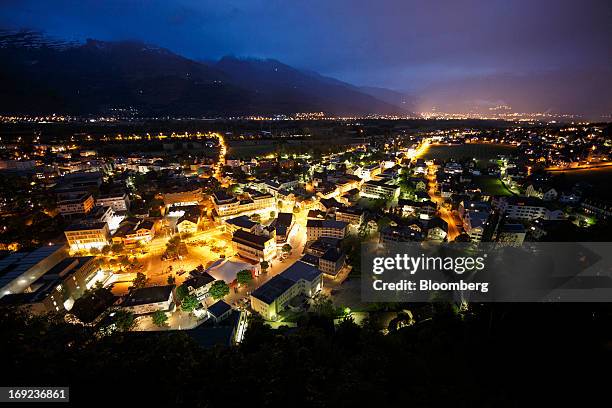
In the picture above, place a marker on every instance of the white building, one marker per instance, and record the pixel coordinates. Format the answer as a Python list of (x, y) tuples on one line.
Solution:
[(528, 209), (117, 201), (379, 189), (272, 297), (85, 236), (149, 300), (316, 229), (255, 247)]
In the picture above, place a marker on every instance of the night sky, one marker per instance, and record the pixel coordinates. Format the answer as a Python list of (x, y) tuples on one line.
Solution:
[(422, 47)]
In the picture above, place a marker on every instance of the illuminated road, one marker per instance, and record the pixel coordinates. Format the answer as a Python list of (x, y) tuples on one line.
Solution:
[(297, 241), (221, 162), (420, 151), (446, 215), (593, 166)]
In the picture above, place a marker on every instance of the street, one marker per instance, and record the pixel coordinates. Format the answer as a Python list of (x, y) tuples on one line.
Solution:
[(445, 214)]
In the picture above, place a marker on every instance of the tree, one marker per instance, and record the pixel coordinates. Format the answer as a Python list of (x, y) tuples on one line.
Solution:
[(219, 289), (272, 214), (117, 247), (174, 241), (93, 303), (175, 247), (182, 292), (351, 355), (322, 305), (234, 189), (172, 245), (244, 277), (171, 280), (140, 281), (383, 223), (287, 248), (264, 266), (160, 319), (124, 261), (256, 217), (189, 302), (124, 320)]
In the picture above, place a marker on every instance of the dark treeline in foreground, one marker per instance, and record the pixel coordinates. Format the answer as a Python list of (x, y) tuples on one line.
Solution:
[(494, 355)]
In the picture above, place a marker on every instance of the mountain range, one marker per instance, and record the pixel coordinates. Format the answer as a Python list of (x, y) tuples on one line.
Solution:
[(42, 76)]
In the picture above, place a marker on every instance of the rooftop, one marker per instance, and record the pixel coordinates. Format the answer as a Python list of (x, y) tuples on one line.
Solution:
[(301, 270), (143, 296), (284, 219), (87, 226), (326, 224), (242, 222), (202, 279), (272, 289), (222, 196), (332, 255), (219, 308), (18, 263), (379, 183), (252, 240)]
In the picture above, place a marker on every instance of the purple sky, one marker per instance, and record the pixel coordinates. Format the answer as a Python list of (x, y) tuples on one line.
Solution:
[(404, 45)]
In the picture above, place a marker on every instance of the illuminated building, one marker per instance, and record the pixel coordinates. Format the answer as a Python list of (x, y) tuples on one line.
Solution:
[(272, 297), (19, 269), (117, 201), (149, 300), (85, 236), (58, 288), (379, 189), (226, 204), (316, 229), (80, 205), (255, 247), (132, 230)]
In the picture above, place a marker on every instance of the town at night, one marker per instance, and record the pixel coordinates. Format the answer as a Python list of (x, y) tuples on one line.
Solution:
[(187, 220)]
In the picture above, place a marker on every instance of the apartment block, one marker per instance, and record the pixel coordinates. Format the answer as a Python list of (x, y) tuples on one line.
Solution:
[(272, 297), (256, 247), (85, 236), (316, 229)]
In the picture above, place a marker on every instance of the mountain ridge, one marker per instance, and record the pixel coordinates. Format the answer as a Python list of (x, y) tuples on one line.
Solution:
[(97, 76)]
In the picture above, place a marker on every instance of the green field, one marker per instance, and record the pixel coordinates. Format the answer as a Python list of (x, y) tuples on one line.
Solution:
[(464, 151), (599, 178), (491, 186), (248, 150)]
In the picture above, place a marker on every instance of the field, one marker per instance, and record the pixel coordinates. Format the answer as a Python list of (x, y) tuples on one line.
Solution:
[(316, 146), (480, 151), (599, 178), (247, 150), (491, 186)]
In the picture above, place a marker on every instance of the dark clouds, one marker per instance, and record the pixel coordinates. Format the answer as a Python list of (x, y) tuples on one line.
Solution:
[(409, 45)]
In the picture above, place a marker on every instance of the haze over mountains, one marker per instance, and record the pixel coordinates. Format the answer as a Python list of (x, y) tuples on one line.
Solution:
[(39, 75), (565, 91), (92, 78)]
